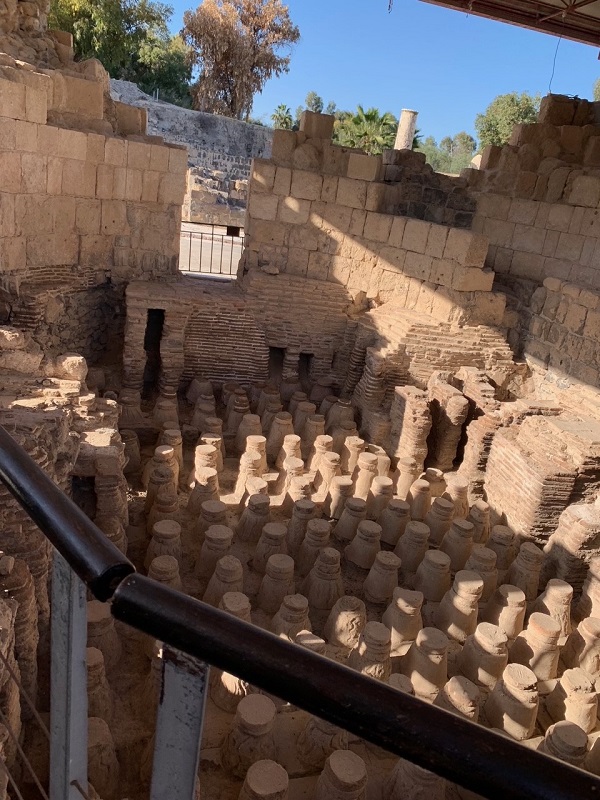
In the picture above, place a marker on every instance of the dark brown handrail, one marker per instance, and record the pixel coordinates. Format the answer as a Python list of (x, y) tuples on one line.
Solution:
[(93, 557)]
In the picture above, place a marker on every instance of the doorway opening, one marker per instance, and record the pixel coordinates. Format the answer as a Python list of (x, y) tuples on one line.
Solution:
[(304, 370), (152, 338), (276, 359)]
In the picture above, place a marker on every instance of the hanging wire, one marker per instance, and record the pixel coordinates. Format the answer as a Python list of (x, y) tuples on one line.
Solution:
[(21, 752), (11, 780), (28, 699), (554, 65)]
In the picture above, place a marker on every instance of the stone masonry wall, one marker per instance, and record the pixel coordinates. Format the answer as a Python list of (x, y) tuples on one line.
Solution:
[(538, 203), (220, 153), (80, 209), (323, 212)]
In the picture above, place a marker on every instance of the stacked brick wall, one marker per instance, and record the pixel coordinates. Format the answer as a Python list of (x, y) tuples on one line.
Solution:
[(530, 481), (298, 315), (241, 352)]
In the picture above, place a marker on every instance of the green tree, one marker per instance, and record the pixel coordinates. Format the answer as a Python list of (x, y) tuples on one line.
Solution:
[(597, 91), (164, 65), (282, 117), (131, 39), (314, 103), (330, 108), (237, 46), (496, 124), (369, 130), (438, 157), (463, 144)]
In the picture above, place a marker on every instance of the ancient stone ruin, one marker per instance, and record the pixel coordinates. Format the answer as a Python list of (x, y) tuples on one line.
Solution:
[(381, 441)]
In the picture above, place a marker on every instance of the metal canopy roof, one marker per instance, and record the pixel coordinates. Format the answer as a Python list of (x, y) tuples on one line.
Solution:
[(572, 19)]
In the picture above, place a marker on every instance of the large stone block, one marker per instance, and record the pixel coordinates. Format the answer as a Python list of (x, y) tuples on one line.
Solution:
[(557, 109), (263, 206), (159, 157), (376, 197), (34, 173), (114, 219), (284, 143), (72, 144), (377, 226), (415, 235), (171, 190), (436, 241), (352, 193), (104, 182), (150, 186), (79, 178), (569, 246), (12, 100), (36, 105), (528, 238), (490, 157), (272, 233), (130, 120), (178, 159), (78, 96), (7, 215), (283, 181), (317, 126), (133, 186), (363, 167), (329, 190), (7, 134), (391, 258), (584, 191), (115, 151), (10, 172), (262, 176), (306, 185), (138, 155), (297, 261), (472, 279), (294, 210), (318, 266), (469, 249), (417, 265)]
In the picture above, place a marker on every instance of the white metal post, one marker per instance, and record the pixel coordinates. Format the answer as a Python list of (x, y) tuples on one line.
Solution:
[(179, 726), (68, 682)]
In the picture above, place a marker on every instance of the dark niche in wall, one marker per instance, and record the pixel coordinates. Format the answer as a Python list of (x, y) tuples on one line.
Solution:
[(152, 339), (276, 358)]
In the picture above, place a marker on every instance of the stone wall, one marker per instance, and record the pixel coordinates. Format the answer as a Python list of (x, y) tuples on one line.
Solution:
[(83, 206), (24, 34), (538, 201), (323, 212), (220, 152)]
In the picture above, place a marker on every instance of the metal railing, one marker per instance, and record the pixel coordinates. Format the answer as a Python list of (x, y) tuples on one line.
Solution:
[(195, 633), (210, 250)]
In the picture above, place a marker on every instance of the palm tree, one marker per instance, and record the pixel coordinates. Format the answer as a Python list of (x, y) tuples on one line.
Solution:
[(369, 130), (282, 117)]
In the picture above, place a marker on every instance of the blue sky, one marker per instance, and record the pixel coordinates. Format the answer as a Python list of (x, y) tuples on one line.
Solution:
[(446, 65)]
